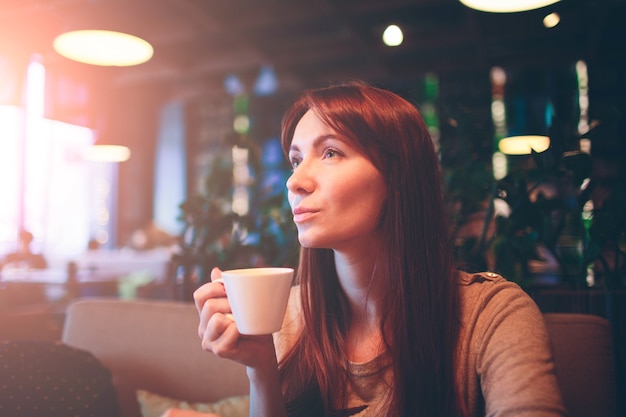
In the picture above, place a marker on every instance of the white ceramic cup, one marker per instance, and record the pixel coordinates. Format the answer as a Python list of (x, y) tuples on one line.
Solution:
[(258, 298)]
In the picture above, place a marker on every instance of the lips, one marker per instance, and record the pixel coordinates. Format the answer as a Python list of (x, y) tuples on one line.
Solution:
[(302, 214)]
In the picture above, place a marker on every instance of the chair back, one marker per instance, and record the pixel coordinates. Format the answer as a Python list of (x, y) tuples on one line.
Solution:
[(585, 363)]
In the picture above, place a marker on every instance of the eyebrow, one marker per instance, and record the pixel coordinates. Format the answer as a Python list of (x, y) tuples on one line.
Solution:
[(317, 141)]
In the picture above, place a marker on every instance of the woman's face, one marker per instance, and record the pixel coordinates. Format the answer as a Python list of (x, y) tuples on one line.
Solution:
[(335, 192)]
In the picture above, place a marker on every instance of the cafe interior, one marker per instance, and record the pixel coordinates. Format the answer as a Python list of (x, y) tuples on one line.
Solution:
[(129, 172)]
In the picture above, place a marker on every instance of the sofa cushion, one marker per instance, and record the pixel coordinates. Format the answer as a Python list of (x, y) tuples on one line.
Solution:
[(154, 346), (43, 379), (154, 405)]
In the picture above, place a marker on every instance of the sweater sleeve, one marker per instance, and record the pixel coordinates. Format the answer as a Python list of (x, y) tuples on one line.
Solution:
[(508, 355)]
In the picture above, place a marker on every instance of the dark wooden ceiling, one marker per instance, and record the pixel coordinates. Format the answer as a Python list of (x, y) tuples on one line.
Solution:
[(199, 42)]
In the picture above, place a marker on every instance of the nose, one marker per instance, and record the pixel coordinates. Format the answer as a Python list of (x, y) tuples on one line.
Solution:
[(301, 181)]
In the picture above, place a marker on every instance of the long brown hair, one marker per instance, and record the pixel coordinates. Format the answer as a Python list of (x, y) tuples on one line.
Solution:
[(420, 325)]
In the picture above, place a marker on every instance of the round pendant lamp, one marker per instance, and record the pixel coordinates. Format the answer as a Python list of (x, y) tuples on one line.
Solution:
[(523, 145), (103, 47), (507, 6)]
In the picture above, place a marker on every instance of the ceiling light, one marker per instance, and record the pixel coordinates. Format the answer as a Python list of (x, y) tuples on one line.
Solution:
[(106, 153), (508, 6), (523, 145), (392, 36), (103, 47)]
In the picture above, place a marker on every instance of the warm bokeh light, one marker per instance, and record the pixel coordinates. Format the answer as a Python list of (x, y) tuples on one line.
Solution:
[(241, 124), (499, 164), (392, 36), (103, 47), (583, 96), (498, 76), (523, 145), (551, 20), (106, 153), (508, 6), (498, 116)]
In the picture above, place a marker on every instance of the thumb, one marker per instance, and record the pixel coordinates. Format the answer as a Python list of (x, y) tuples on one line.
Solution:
[(216, 273)]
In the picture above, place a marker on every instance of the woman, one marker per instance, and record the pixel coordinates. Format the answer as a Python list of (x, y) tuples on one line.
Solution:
[(381, 324)]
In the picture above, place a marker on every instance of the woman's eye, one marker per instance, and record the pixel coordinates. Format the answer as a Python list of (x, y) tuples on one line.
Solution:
[(330, 153), (294, 163)]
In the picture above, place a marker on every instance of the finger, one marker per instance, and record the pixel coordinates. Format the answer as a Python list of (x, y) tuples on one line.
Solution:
[(212, 307), (221, 336), (216, 273), (206, 292)]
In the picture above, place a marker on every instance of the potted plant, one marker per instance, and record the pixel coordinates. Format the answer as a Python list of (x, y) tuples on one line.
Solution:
[(214, 235)]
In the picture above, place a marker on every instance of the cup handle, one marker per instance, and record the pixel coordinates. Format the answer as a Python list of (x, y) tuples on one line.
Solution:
[(221, 281)]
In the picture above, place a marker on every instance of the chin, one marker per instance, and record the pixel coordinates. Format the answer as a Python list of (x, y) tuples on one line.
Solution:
[(306, 244), (310, 243), (318, 238)]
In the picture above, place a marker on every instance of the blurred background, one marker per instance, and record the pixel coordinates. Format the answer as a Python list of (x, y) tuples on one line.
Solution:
[(202, 180), (132, 179)]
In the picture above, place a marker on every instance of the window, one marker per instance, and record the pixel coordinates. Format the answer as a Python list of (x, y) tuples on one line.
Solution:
[(46, 185)]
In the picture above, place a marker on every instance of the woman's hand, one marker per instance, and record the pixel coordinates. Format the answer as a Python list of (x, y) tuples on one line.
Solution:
[(218, 332), (219, 335)]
